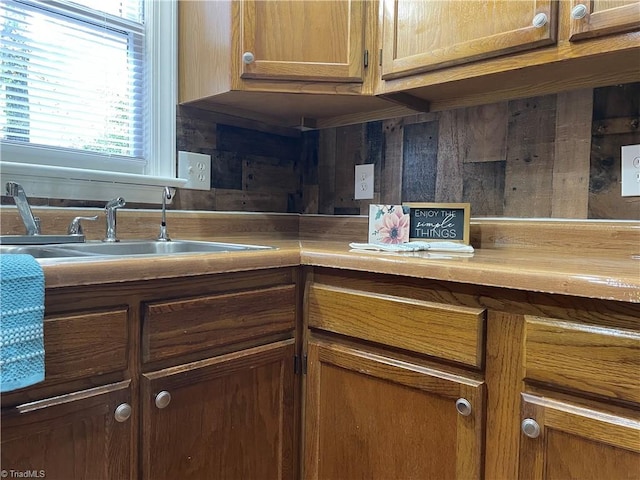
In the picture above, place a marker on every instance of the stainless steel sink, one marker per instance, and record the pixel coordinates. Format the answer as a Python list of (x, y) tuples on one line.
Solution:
[(128, 248), (41, 251)]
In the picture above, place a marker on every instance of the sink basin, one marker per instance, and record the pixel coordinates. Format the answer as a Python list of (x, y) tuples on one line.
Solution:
[(42, 251), (128, 248), (39, 239)]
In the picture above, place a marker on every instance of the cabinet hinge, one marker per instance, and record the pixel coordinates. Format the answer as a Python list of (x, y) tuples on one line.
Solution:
[(300, 365), (380, 58), (366, 58)]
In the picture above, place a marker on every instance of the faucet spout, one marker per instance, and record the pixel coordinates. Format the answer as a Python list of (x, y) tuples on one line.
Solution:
[(163, 236), (111, 208), (31, 223)]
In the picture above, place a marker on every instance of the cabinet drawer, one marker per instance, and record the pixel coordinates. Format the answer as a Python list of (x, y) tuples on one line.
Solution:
[(177, 327), (449, 332), (85, 344), (600, 360)]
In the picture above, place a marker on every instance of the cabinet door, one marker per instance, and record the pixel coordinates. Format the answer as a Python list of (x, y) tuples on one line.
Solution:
[(225, 417), (575, 442), (79, 436), (372, 416), (310, 40), (603, 17), (423, 35)]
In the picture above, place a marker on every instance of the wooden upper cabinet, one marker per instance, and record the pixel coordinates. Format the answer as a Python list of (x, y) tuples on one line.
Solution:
[(561, 441), (422, 35), (309, 40), (595, 18)]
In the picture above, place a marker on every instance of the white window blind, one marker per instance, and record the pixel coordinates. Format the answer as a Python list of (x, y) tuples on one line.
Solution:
[(83, 86), (73, 78)]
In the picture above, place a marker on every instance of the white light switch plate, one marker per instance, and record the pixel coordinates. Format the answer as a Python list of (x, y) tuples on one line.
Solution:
[(363, 188), (196, 168), (630, 171)]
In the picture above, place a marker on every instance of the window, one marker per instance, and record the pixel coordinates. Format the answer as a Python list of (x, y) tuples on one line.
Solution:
[(87, 97)]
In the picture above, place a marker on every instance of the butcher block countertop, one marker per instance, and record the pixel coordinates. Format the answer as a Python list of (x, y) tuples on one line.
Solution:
[(578, 258)]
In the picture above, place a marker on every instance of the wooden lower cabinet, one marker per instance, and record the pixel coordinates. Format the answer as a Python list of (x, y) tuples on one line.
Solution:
[(373, 416), (82, 435), (228, 417), (565, 441)]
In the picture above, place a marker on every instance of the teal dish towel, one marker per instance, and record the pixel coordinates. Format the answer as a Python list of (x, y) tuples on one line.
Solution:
[(21, 322)]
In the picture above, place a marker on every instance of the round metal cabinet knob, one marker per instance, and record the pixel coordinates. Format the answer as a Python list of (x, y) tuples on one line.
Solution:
[(248, 57), (579, 11), (463, 407), (122, 413), (530, 428), (540, 20), (163, 399)]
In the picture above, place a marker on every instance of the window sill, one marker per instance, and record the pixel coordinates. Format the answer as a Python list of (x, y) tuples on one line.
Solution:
[(78, 184)]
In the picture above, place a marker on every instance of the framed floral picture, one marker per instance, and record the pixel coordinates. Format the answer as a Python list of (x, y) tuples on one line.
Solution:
[(388, 224)]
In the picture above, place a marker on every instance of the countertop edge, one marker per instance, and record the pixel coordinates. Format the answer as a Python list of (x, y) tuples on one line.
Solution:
[(498, 273)]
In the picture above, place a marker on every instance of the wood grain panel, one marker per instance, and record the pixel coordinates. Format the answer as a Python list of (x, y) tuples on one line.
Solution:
[(422, 36), (600, 360), (350, 151), (250, 142), (611, 462), (226, 170), (71, 437), (391, 171), (323, 41), (244, 201), (203, 71), (444, 331), (374, 144), (572, 153), (530, 157), (176, 327), (605, 18), (483, 188), (269, 174), (504, 384), (195, 130), (326, 170), (485, 132), (86, 344), (230, 417), (578, 442), (419, 162), (309, 158), (604, 179), (449, 177), (354, 428)]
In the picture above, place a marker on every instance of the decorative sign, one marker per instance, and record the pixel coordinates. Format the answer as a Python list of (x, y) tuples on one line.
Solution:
[(439, 221)]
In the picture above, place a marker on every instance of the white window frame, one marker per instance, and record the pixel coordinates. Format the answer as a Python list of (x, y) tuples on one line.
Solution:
[(50, 181)]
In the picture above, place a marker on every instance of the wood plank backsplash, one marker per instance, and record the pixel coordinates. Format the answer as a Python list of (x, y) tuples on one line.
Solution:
[(550, 156)]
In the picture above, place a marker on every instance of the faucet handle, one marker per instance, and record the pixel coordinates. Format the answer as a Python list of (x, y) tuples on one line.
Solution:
[(115, 203), (75, 228)]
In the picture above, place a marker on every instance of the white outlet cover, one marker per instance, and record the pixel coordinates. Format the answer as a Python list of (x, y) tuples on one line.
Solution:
[(363, 188), (630, 171), (196, 169)]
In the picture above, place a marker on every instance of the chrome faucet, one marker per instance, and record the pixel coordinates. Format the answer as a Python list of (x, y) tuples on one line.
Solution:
[(31, 223), (163, 236), (111, 208)]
